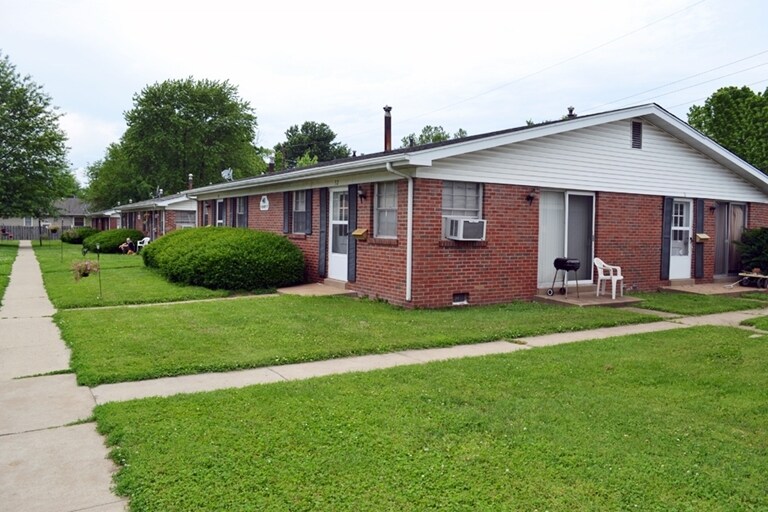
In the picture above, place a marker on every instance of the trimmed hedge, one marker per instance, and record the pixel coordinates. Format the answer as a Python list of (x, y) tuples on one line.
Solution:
[(226, 258), (77, 235), (754, 249), (110, 240)]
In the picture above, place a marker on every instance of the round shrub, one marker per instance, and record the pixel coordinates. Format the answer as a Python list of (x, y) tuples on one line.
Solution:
[(226, 258), (77, 235), (109, 241)]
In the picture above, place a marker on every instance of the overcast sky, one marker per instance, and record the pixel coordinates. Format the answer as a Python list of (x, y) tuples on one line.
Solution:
[(480, 65)]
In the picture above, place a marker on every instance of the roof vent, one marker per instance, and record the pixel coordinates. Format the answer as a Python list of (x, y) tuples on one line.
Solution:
[(571, 114), (637, 135)]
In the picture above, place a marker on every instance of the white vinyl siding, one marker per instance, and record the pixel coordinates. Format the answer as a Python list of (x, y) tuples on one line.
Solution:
[(385, 219), (600, 158)]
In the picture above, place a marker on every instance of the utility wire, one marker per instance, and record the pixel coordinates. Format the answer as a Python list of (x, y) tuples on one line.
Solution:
[(706, 97), (675, 82), (547, 68), (708, 81)]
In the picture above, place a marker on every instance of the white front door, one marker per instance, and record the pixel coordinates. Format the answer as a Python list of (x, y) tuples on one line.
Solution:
[(680, 240), (338, 231)]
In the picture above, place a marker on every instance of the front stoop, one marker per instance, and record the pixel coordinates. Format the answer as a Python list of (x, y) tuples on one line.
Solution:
[(585, 298)]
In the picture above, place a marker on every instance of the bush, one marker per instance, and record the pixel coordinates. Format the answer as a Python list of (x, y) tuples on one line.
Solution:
[(109, 241), (754, 249), (226, 258), (77, 235)]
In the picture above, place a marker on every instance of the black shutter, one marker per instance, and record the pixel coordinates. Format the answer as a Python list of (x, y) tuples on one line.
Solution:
[(233, 215), (352, 252), (698, 269), (287, 212), (322, 253), (666, 233), (308, 206), (245, 200)]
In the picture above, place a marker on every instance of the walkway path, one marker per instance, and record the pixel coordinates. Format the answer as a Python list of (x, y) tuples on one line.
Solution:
[(48, 464)]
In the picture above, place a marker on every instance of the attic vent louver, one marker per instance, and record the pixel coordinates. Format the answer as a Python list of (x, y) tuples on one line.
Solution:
[(637, 135)]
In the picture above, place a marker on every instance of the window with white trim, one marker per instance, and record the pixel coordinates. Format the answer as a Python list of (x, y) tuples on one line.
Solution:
[(221, 212), (462, 199), (385, 215), (299, 221), (241, 212)]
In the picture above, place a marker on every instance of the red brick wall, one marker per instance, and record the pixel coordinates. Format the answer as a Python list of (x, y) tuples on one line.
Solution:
[(628, 232), (170, 221), (501, 269), (381, 263), (272, 220), (757, 215)]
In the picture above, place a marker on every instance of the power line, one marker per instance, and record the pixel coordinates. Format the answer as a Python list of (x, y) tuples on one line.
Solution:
[(710, 80), (705, 97), (547, 68), (675, 82)]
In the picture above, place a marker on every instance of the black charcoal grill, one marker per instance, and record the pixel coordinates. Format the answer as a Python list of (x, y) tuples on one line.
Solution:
[(566, 265)]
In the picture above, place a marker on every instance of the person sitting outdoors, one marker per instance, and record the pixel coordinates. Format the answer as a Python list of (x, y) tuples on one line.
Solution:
[(128, 247)]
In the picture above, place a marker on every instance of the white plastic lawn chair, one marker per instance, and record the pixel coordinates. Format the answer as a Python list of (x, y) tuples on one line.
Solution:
[(142, 243), (610, 273)]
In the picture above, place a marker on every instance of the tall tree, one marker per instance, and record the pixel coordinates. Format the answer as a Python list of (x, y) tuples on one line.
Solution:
[(317, 139), (177, 128), (736, 118), (33, 165), (110, 181), (430, 134)]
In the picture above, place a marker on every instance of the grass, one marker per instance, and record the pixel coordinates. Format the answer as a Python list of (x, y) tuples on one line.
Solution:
[(693, 305), (126, 344), (124, 280), (8, 250), (662, 421)]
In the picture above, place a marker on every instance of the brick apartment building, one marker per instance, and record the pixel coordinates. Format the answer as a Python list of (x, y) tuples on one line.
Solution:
[(480, 220)]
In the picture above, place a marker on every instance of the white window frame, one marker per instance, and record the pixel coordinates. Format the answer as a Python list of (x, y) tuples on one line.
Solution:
[(299, 211), (241, 212), (449, 208), (221, 213), (380, 193)]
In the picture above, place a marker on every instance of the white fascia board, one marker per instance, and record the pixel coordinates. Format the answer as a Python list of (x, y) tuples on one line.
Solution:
[(253, 184)]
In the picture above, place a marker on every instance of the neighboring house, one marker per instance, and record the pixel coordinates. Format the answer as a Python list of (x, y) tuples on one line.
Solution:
[(481, 219), (156, 217), (104, 219), (73, 212)]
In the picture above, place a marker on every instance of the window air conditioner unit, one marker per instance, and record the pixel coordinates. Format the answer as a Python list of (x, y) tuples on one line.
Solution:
[(464, 229)]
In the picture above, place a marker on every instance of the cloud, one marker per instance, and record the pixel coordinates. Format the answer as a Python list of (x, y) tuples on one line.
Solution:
[(88, 137)]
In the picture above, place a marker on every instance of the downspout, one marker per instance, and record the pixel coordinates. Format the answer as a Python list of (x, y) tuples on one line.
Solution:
[(409, 235)]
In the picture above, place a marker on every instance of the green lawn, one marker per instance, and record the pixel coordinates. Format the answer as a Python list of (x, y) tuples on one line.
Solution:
[(691, 304), (124, 344), (124, 280), (8, 250), (656, 422)]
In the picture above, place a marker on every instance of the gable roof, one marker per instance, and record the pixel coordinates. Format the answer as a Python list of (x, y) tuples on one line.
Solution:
[(425, 155), (170, 202), (71, 207)]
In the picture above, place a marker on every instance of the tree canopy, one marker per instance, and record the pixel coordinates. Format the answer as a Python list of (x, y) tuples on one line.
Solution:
[(33, 166), (310, 140), (736, 118), (430, 134), (177, 128)]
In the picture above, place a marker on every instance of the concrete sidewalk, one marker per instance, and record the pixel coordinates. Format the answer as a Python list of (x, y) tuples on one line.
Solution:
[(48, 464), (45, 465)]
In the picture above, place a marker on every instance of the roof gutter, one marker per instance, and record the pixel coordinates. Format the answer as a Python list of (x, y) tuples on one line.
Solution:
[(409, 235)]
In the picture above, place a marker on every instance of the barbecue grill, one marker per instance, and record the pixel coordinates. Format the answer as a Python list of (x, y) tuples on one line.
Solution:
[(566, 265)]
